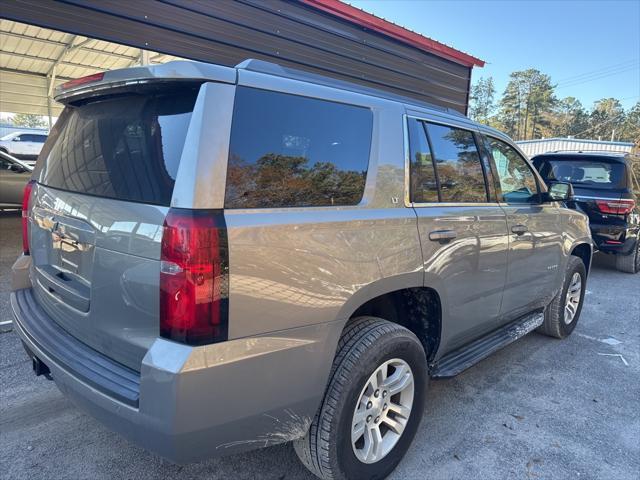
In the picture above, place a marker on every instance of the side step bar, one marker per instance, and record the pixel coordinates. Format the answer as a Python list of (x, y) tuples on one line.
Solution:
[(459, 360)]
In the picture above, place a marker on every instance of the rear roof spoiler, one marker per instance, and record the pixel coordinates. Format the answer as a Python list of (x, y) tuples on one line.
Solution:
[(179, 70)]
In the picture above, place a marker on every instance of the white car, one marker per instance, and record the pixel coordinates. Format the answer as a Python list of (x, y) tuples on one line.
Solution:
[(23, 145)]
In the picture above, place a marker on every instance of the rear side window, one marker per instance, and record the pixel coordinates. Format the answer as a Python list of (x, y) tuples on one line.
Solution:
[(458, 165), (424, 186), (29, 137), (292, 151), (126, 147)]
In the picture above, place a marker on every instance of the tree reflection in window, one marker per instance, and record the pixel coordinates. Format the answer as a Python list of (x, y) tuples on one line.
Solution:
[(517, 181), (458, 164), (291, 151), (424, 187)]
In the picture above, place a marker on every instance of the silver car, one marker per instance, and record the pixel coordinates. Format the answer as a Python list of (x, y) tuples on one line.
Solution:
[(220, 259), (14, 175)]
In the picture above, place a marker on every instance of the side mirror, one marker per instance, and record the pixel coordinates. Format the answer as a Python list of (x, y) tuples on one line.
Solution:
[(14, 167), (16, 139), (560, 192)]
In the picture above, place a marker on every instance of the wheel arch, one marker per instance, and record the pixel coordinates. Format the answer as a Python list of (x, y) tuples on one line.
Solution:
[(584, 251), (419, 309)]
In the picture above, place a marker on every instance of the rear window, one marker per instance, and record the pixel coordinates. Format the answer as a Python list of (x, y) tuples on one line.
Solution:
[(126, 147), (292, 151), (586, 173)]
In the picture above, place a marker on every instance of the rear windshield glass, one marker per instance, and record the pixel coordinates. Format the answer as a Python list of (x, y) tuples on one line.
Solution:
[(585, 173), (126, 147)]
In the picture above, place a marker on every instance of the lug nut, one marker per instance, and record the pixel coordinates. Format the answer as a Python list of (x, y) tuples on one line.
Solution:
[(385, 407), (368, 418), (369, 405), (376, 393), (377, 419), (384, 393)]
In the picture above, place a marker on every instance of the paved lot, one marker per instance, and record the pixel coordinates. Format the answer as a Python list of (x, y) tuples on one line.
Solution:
[(541, 408)]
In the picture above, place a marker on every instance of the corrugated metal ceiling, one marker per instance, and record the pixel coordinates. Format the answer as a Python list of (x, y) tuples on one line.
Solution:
[(31, 56)]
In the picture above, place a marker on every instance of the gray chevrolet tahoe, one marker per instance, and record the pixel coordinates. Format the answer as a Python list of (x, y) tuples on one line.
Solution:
[(219, 259)]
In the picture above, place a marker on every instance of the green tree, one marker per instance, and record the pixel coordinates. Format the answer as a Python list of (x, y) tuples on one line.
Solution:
[(481, 100), (568, 118), (28, 120), (630, 127), (606, 117), (526, 101)]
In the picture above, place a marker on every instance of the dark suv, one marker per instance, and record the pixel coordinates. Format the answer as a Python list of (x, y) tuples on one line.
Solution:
[(607, 190)]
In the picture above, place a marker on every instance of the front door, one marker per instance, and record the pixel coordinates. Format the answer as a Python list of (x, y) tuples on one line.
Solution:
[(463, 233), (535, 241), (19, 145)]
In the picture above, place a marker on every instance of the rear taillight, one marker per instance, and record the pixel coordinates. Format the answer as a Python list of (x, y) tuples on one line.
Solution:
[(194, 283), (26, 196), (616, 207)]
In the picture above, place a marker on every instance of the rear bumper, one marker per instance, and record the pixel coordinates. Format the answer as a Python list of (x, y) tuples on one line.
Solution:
[(616, 239), (190, 403)]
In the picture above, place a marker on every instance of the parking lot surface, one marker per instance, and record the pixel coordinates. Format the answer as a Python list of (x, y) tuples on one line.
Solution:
[(541, 408)]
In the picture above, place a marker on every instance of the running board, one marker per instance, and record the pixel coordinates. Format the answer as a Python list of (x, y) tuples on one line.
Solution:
[(459, 360)]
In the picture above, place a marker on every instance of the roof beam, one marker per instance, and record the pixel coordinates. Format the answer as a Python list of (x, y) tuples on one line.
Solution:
[(62, 44), (68, 48), (27, 72), (35, 57)]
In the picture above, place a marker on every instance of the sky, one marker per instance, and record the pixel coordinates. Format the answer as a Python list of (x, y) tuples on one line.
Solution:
[(591, 49)]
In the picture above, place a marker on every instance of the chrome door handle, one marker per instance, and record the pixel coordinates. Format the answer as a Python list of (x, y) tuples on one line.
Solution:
[(442, 235), (519, 229)]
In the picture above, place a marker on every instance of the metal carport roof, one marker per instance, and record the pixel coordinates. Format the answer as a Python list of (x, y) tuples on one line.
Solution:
[(33, 60), (326, 37)]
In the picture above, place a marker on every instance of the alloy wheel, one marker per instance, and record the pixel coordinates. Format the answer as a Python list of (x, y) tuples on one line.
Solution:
[(572, 300), (382, 411)]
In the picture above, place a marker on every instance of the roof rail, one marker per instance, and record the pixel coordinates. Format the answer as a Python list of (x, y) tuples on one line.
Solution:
[(584, 150), (261, 66)]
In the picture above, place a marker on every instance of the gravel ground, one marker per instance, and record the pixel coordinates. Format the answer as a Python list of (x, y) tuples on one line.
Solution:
[(540, 408)]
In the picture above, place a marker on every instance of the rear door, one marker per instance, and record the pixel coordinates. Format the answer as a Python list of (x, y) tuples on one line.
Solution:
[(462, 229), (36, 143), (535, 233), (97, 216), (28, 143)]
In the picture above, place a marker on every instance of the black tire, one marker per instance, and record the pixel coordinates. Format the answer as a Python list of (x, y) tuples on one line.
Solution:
[(366, 343), (554, 315), (629, 263)]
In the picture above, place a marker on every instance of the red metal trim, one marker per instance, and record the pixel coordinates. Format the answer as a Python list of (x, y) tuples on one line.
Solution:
[(377, 24)]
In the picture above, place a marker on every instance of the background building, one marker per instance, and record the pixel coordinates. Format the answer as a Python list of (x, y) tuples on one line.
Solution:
[(535, 147)]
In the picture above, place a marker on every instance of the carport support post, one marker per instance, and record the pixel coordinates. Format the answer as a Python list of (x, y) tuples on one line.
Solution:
[(144, 57), (51, 78)]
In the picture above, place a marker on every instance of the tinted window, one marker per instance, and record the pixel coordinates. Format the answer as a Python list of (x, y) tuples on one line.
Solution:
[(517, 181), (424, 187), (584, 173), (127, 148), (29, 137), (290, 151), (38, 138), (458, 164)]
